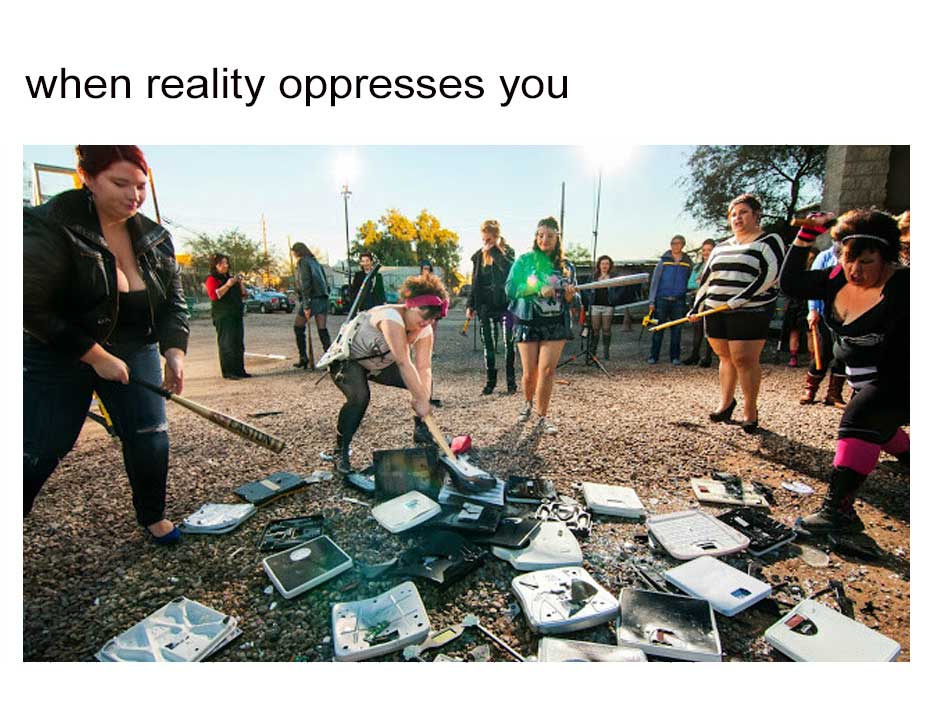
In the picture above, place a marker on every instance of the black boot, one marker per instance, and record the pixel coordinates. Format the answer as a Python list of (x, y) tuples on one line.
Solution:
[(342, 456), (491, 382), (421, 435), (592, 342), (837, 512), (325, 338), (303, 350), (605, 340), (510, 381)]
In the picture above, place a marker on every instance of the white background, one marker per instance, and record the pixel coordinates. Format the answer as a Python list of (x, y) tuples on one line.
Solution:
[(647, 73)]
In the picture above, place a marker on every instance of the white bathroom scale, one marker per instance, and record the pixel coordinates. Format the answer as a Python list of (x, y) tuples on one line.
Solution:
[(383, 624), (612, 500), (405, 512), (563, 650), (729, 590), (563, 600), (298, 569), (553, 546), (689, 534)]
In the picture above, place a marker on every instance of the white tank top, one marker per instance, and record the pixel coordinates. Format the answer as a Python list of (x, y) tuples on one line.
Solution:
[(369, 347)]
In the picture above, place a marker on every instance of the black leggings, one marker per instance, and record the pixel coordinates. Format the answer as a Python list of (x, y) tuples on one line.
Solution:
[(876, 412), (490, 327), (353, 381)]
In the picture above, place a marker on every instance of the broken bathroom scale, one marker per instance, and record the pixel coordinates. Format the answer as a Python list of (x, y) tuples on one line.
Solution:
[(290, 532), (453, 495), (181, 631), (512, 532), (563, 600), (765, 533), (668, 625), (529, 490), (562, 650), (216, 519), (813, 632), (553, 545), (276, 485), (298, 569), (689, 534), (716, 492), (729, 590), (383, 624), (470, 518), (612, 500), (405, 512)]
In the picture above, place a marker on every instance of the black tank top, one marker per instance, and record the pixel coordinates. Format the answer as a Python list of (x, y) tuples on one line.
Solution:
[(134, 319)]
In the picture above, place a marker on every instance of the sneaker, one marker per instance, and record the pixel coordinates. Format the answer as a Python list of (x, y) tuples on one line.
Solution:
[(548, 428), (652, 360), (676, 362), (526, 412)]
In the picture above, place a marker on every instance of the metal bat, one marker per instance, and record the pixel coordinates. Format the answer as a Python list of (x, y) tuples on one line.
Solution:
[(628, 280), (248, 432)]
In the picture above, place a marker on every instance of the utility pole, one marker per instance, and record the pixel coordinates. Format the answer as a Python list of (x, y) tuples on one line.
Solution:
[(346, 194), (561, 217), (597, 215), (265, 253)]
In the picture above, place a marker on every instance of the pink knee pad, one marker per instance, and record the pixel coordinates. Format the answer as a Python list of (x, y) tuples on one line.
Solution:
[(856, 454), (897, 444)]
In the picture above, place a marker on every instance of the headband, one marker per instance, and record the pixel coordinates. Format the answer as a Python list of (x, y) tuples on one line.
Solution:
[(428, 300), (867, 237)]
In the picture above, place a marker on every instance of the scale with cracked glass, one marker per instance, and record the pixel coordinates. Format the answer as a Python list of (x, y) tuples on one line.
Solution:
[(611, 500), (813, 632), (451, 494), (217, 519), (563, 600), (181, 631), (298, 569), (729, 590), (553, 545), (562, 650), (668, 626), (383, 624)]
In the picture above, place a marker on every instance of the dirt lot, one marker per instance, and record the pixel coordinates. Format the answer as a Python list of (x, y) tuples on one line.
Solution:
[(90, 573)]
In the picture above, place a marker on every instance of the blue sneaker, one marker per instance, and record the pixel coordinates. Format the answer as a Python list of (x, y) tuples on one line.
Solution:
[(652, 360), (676, 362)]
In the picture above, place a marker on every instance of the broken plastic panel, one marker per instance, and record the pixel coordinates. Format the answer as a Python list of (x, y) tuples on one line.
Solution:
[(612, 500), (405, 512), (290, 532), (442, 556), (181, 631), (562, 650), (307, 565), (470, 518), (552, 546), (668, 625), (450, 494), (813, 632), (216, 519), (689, 534), (513, 532), (719, 492), (529, 490), (399, 471), (273, 487), (571, 514), (765, 534), (384, 624), (467, 477), (563, 600), (729, 590)]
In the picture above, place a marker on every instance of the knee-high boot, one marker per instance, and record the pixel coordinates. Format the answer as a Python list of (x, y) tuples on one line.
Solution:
[(605, 339), (303, 349)]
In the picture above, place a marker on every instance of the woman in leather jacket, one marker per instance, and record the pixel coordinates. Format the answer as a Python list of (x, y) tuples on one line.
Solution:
[(488, 300), (101, 290)]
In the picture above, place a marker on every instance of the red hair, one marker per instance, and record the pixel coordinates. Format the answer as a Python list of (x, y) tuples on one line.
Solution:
[(95, 158)]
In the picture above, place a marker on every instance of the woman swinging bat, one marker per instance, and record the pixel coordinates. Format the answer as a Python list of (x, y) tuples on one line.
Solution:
[(391, 345), (101, 299)]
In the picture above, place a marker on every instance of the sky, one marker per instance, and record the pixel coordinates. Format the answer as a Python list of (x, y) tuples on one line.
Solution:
[(297, 188)]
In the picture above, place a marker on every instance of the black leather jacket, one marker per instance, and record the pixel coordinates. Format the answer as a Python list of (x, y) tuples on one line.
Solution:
[(70, 277)]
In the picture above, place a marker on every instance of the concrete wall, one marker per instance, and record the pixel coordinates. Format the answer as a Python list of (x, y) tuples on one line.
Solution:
[(860, 176)]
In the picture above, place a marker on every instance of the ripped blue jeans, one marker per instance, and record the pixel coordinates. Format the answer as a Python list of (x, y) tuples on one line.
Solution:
[(56, 397)]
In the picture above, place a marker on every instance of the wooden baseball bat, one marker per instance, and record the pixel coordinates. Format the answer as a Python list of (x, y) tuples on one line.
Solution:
[(436, 432), (807, 222), (308, 337), (673, 323), (816, 347), (248, 432), (464, 329)]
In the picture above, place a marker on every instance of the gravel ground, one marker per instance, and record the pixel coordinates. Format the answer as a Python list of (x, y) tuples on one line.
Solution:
[(89, 571)]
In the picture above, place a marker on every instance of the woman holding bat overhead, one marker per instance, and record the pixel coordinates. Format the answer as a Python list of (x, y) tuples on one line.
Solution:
[(101, 299), (390, 345)]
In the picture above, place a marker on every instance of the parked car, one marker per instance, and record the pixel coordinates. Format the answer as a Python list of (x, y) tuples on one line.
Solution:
[(267, 301), (392, 296), (338, 300)]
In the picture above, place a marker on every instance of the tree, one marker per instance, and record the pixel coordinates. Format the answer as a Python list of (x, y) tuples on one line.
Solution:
[(577, 252), (783, 177), (245, 254), (395, 240)]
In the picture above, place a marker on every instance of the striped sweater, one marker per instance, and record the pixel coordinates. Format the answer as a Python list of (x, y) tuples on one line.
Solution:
[(741, 275)]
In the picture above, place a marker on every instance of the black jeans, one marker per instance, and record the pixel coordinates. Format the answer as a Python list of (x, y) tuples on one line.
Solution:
[(230, 344), (490, 329), (56, 397), (353, 381), (669, 309)]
